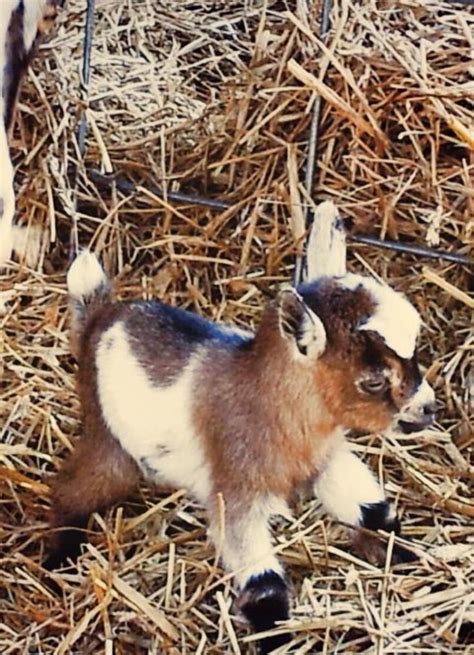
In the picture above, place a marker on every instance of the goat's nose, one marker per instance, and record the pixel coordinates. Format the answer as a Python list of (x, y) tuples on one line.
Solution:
[(429, 413)]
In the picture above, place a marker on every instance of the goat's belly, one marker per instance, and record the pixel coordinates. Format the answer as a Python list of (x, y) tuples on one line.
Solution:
[(152, 423)]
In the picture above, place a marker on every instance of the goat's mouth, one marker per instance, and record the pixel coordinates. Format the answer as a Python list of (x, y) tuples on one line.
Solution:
[(408, 427)]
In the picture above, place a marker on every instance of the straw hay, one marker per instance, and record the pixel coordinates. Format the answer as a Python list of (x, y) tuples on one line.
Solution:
[(215, 98)]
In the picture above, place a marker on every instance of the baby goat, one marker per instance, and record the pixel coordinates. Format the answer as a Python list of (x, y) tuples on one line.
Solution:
[(239, 416), (21, 21)]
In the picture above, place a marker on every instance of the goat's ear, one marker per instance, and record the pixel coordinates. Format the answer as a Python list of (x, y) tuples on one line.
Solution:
[(300, 325)]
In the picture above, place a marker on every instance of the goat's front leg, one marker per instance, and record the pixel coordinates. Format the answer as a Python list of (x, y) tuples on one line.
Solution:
[(246, 550), (349, 491)]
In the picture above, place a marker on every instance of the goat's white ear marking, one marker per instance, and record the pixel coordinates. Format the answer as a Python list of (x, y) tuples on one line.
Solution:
[(299, 324)]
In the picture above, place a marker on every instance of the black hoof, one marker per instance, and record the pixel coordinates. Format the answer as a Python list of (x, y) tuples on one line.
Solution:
[(67, 547), (264, 601), (376, 516)]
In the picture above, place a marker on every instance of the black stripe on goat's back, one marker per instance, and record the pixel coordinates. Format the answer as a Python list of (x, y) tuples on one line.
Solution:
[(163, 338)]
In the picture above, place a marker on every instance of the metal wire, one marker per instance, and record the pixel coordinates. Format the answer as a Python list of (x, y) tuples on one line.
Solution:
[(82, 129), (127, 187), (85, 74), (313, 144)]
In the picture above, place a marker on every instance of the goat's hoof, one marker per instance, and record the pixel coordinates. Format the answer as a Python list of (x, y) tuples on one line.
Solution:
[(378, 516), (263, 602)]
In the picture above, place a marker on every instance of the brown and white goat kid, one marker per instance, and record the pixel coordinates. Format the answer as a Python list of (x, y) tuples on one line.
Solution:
[(21, 21), (247, 417)]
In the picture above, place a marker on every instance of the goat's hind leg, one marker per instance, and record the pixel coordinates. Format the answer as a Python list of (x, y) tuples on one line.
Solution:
[(95, 475), (349, 491), (247, 551)]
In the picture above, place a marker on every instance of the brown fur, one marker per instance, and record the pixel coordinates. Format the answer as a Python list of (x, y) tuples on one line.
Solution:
[(266, 414), (159, 349), (268, 419), (95, 475), (266, 429), (98, 472)]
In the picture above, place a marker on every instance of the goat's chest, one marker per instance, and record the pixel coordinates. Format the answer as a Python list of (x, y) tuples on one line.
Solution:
[(152, 423)]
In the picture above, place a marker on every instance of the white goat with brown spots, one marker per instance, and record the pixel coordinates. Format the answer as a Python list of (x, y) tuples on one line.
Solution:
[(241, 416)]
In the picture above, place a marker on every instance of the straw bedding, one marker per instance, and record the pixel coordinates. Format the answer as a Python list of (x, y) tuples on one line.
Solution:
[(214, 98)]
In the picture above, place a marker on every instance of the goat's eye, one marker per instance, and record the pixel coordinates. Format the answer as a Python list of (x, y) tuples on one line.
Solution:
[(373, 385)]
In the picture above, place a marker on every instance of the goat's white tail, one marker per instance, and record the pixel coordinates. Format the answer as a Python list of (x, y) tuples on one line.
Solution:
[(88, 288), (326, 244)]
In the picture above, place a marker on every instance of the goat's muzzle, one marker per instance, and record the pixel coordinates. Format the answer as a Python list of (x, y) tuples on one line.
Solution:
[(419, 413)]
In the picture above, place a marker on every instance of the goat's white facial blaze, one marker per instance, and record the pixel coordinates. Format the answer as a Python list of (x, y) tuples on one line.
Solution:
[(394, 318), (153, 424), (85, 276), (345, 484), (247, 549), (326, 244)]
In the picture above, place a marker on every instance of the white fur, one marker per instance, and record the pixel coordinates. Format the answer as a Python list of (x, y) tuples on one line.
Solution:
[(394, 318), (312, 334), (34, 11), (28, 242), (247, 547), (152, 423), (7, 194), (326, 244), (345, 484), (414, 409), (85, 276)]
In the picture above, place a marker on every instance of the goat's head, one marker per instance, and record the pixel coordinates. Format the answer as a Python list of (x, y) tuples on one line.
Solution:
[(358, 335), (358, 339)]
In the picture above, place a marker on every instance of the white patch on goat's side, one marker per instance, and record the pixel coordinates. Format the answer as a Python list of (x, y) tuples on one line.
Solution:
[(345, 484), (394, 317), (153, 424), (326, 244), (85, 276), (247, 549)]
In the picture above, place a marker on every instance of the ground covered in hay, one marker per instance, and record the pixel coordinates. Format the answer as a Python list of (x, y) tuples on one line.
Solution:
[(214, 98)]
